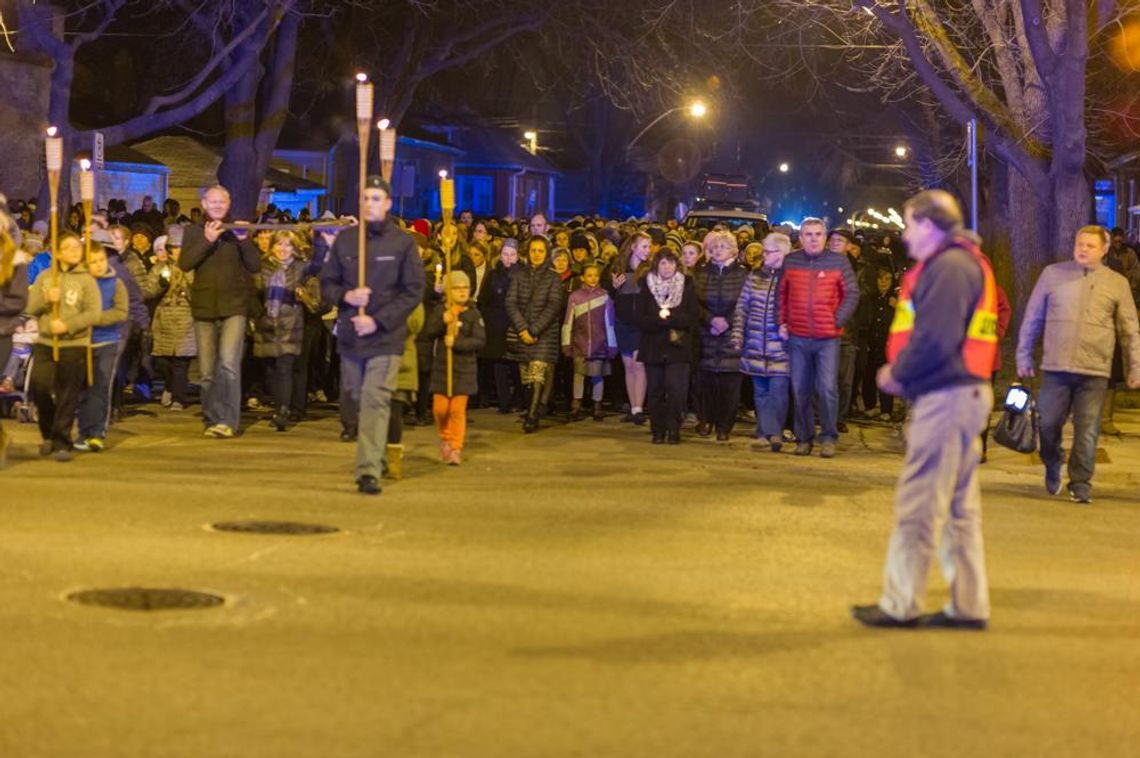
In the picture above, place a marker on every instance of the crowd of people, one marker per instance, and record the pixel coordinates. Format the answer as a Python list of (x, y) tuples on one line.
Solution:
[(701, 327)]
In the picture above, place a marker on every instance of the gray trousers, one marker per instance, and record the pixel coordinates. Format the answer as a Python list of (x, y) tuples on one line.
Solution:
[(938, 490), (370, 383)]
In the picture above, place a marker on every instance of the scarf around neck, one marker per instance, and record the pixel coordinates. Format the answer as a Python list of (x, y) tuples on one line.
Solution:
[(667, 292)]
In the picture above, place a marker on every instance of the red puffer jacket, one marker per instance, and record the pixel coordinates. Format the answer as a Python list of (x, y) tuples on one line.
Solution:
[(818, 294)]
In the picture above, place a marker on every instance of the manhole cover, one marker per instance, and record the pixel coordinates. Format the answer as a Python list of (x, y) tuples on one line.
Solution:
[(274, 527), (147, 599)]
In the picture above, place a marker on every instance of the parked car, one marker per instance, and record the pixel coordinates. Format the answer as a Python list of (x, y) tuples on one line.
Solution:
[(733, 218)]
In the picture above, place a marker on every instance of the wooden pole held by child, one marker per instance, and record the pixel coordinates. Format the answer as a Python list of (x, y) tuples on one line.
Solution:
[(447, 207), (53, 148)]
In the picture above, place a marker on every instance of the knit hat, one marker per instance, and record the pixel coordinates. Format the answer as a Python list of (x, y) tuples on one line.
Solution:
[(657, 235), (579, 240), (160, 243), (459, 279)]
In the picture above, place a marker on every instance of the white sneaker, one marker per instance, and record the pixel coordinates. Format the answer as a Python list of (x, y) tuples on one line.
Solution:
[(220, 431), (177, 407), (253, 403), (166, 400)]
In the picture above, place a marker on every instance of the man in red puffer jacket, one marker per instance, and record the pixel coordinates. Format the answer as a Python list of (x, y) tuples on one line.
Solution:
[(818, 294)]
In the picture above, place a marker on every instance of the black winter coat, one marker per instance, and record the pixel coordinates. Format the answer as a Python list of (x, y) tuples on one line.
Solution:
[(718, 288), (493, 306), (667, 340), (394, 273), (223, 273), (534, 304), (464, 354)]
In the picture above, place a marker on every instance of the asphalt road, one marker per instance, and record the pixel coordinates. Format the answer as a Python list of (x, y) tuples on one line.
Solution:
[(577, 592)]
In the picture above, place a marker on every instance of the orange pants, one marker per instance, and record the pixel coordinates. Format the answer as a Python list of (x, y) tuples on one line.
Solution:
[(450, 419)]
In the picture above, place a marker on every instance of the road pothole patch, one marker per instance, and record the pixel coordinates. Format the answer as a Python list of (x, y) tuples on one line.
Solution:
[(147, 599), (292, 528)]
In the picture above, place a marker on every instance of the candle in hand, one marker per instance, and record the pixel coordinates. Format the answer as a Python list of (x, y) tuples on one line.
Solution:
[(438, 273)]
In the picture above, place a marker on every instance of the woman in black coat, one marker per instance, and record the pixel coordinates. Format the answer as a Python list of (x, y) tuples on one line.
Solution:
[(668, 316), (534, 304), (493, 305)]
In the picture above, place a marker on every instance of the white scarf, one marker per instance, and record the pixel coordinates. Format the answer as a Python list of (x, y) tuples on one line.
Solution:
[(667, 292)]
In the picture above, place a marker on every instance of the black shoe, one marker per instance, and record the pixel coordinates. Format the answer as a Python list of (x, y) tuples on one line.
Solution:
[(873, 615), (296, 417), (722, 436), (627, 418), (639, 419), (368, 485), (941, 621), (658, 439), (1053, 480), (1080, 493), (673, 438), (704, 429), (348, 435), (280, 421), (530, 424), (842, 427)]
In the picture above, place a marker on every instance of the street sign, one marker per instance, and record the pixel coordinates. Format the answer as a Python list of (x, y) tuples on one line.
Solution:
[(97, 152)]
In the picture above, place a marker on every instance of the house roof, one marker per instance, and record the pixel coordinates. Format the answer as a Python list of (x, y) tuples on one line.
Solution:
[(195, 164), (489, 147), (125, 154)]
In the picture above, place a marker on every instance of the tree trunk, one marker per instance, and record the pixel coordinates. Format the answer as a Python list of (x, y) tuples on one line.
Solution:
[(1072, 209), (1030, 240), (238, 171)]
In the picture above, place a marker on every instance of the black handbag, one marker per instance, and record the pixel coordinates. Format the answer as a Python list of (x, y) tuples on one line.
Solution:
[(1018, 426)]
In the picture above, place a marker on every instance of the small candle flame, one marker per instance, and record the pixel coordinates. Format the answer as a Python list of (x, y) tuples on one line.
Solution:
[(443, 174), (362, 77), (52, 131), (384, 124), (85, 164)]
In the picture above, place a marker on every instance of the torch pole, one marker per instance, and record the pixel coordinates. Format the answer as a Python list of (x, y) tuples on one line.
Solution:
[(53, 148), (447, 209), (87, 195), (363, 130)]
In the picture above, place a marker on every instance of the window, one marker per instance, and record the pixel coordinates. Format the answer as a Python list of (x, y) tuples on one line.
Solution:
[(1105, 197), (476, 193)]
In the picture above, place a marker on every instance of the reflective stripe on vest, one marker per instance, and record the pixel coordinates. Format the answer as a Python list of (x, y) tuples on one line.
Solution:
[(979, 348)]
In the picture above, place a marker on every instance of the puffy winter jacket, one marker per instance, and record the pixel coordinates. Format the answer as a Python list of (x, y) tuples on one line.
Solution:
[(756, 326), (173, 325), (718, 289), (534, 303), (588, 329), (282, 334), (818, 294)]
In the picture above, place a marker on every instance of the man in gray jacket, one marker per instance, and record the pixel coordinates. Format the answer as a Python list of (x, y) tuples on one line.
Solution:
[(1082, 306)]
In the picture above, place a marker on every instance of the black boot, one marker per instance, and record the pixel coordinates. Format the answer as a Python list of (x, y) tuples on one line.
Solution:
[(530, 424), (281, 419)]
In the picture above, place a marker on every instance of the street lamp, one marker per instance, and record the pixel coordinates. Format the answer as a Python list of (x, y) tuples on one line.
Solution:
[(784, 168), (695, 109), (900, 151), (532, 141)]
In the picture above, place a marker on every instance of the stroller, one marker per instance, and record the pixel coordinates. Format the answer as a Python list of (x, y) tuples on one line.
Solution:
[(15, 377)]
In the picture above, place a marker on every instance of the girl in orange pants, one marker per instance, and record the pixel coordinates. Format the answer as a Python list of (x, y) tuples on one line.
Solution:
[(462, 330)]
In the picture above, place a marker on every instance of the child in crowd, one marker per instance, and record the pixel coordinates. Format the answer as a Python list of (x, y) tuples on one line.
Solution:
[(108, 331), (278, 331), (173, 344), (588, 338), (58, 384), (463, 331), (407, 384)]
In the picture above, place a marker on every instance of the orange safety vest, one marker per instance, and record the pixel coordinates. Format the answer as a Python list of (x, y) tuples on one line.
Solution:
[(979, 348)]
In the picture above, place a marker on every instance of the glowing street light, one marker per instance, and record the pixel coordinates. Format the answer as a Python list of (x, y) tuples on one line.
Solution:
[(900, 151), (698, 109), (784, 168), (532, 141)]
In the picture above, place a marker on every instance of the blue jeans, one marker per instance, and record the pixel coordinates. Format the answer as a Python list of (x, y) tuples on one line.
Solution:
[(220, 345), (1084, 395), (95, 404), (770, 393), (815, 368)]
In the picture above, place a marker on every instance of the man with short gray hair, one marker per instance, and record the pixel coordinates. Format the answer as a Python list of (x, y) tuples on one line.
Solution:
[(1082, 306)]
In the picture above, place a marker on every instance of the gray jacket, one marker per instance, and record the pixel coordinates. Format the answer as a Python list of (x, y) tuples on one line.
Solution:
[(1081, 312)]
